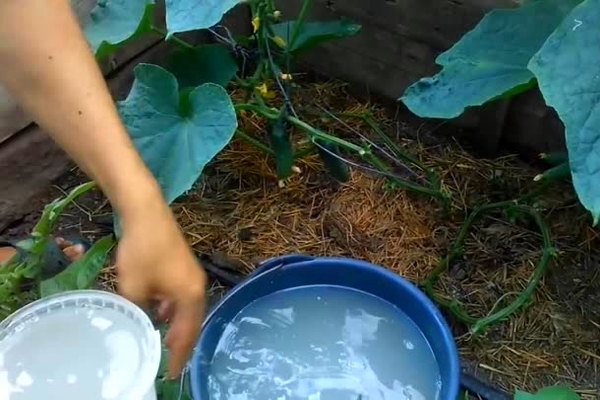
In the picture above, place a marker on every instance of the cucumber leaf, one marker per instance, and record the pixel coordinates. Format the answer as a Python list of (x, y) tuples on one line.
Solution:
[(488, 62), (567, 72), (116, 22), (313, 34), (210, 63), (177, 134), (191, 15)]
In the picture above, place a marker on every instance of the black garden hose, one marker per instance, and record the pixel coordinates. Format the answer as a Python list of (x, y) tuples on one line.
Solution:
[(475, 386), (468, 382)]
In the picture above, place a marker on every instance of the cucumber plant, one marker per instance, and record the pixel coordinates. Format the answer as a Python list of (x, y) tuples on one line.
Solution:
[(543, 43), (180, 116), (28, 266)]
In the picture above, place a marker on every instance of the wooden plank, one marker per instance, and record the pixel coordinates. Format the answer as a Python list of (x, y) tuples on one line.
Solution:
[(13, 118), (30, 161)]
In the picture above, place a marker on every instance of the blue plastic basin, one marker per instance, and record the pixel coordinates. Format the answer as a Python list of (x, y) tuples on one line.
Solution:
[(297, 271)]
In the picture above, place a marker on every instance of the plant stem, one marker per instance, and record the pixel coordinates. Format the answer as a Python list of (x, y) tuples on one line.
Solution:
[(548, 252), (404, 184), (306, 5), (172, 38), (317, 134), (398, 152), (251, 83), (270, 6), (273, 114), (269, 113), (367, 155), (256, 143)]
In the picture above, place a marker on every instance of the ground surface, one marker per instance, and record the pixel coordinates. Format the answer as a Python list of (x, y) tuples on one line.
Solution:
[(239, 215)]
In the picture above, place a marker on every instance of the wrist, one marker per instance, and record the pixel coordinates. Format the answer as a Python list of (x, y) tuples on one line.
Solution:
[(147, 203), (136, 196)]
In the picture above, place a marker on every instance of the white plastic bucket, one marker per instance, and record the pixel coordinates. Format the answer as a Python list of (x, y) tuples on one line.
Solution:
[(85, 344)]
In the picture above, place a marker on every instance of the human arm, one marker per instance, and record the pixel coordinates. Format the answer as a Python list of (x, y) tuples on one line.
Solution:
[(46, 64)]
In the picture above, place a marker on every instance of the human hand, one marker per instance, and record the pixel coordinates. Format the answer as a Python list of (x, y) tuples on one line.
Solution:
[(155, 263)]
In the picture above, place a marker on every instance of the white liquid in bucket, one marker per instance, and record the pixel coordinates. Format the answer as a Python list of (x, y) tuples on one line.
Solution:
[(74, 352), (323, 343)]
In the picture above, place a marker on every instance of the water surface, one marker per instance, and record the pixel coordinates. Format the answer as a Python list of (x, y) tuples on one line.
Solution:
[(323, 343)]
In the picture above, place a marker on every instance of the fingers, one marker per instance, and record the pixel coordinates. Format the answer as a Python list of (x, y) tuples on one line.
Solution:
[(165, 312), (185, 328)]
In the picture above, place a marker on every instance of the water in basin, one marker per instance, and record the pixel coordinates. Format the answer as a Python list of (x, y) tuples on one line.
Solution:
[(323, 343)]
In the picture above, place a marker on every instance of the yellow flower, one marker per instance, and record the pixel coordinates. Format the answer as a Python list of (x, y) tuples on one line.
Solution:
[(256, 23), (265, 92), (279, 41)]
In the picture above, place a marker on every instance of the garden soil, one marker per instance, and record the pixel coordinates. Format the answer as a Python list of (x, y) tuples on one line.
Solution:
[(240, 214)]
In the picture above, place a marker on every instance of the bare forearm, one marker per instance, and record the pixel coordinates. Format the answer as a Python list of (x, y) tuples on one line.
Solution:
[(46, 64)]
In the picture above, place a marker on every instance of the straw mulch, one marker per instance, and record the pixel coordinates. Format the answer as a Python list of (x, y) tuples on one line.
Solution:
[(239, 212)]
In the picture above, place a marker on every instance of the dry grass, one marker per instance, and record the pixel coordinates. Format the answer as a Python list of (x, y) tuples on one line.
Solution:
[(240, 211)]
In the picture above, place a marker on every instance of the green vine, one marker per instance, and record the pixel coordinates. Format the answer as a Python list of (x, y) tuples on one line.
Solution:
[(478, 325)]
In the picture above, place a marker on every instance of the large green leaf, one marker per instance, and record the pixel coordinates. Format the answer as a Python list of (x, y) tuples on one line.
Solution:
[(489, 61), (312, 34), (176, 135), (191, 15), (519, 395), (114, 22), (567, 71), (211, 63), (82, 273), (559, 392)]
